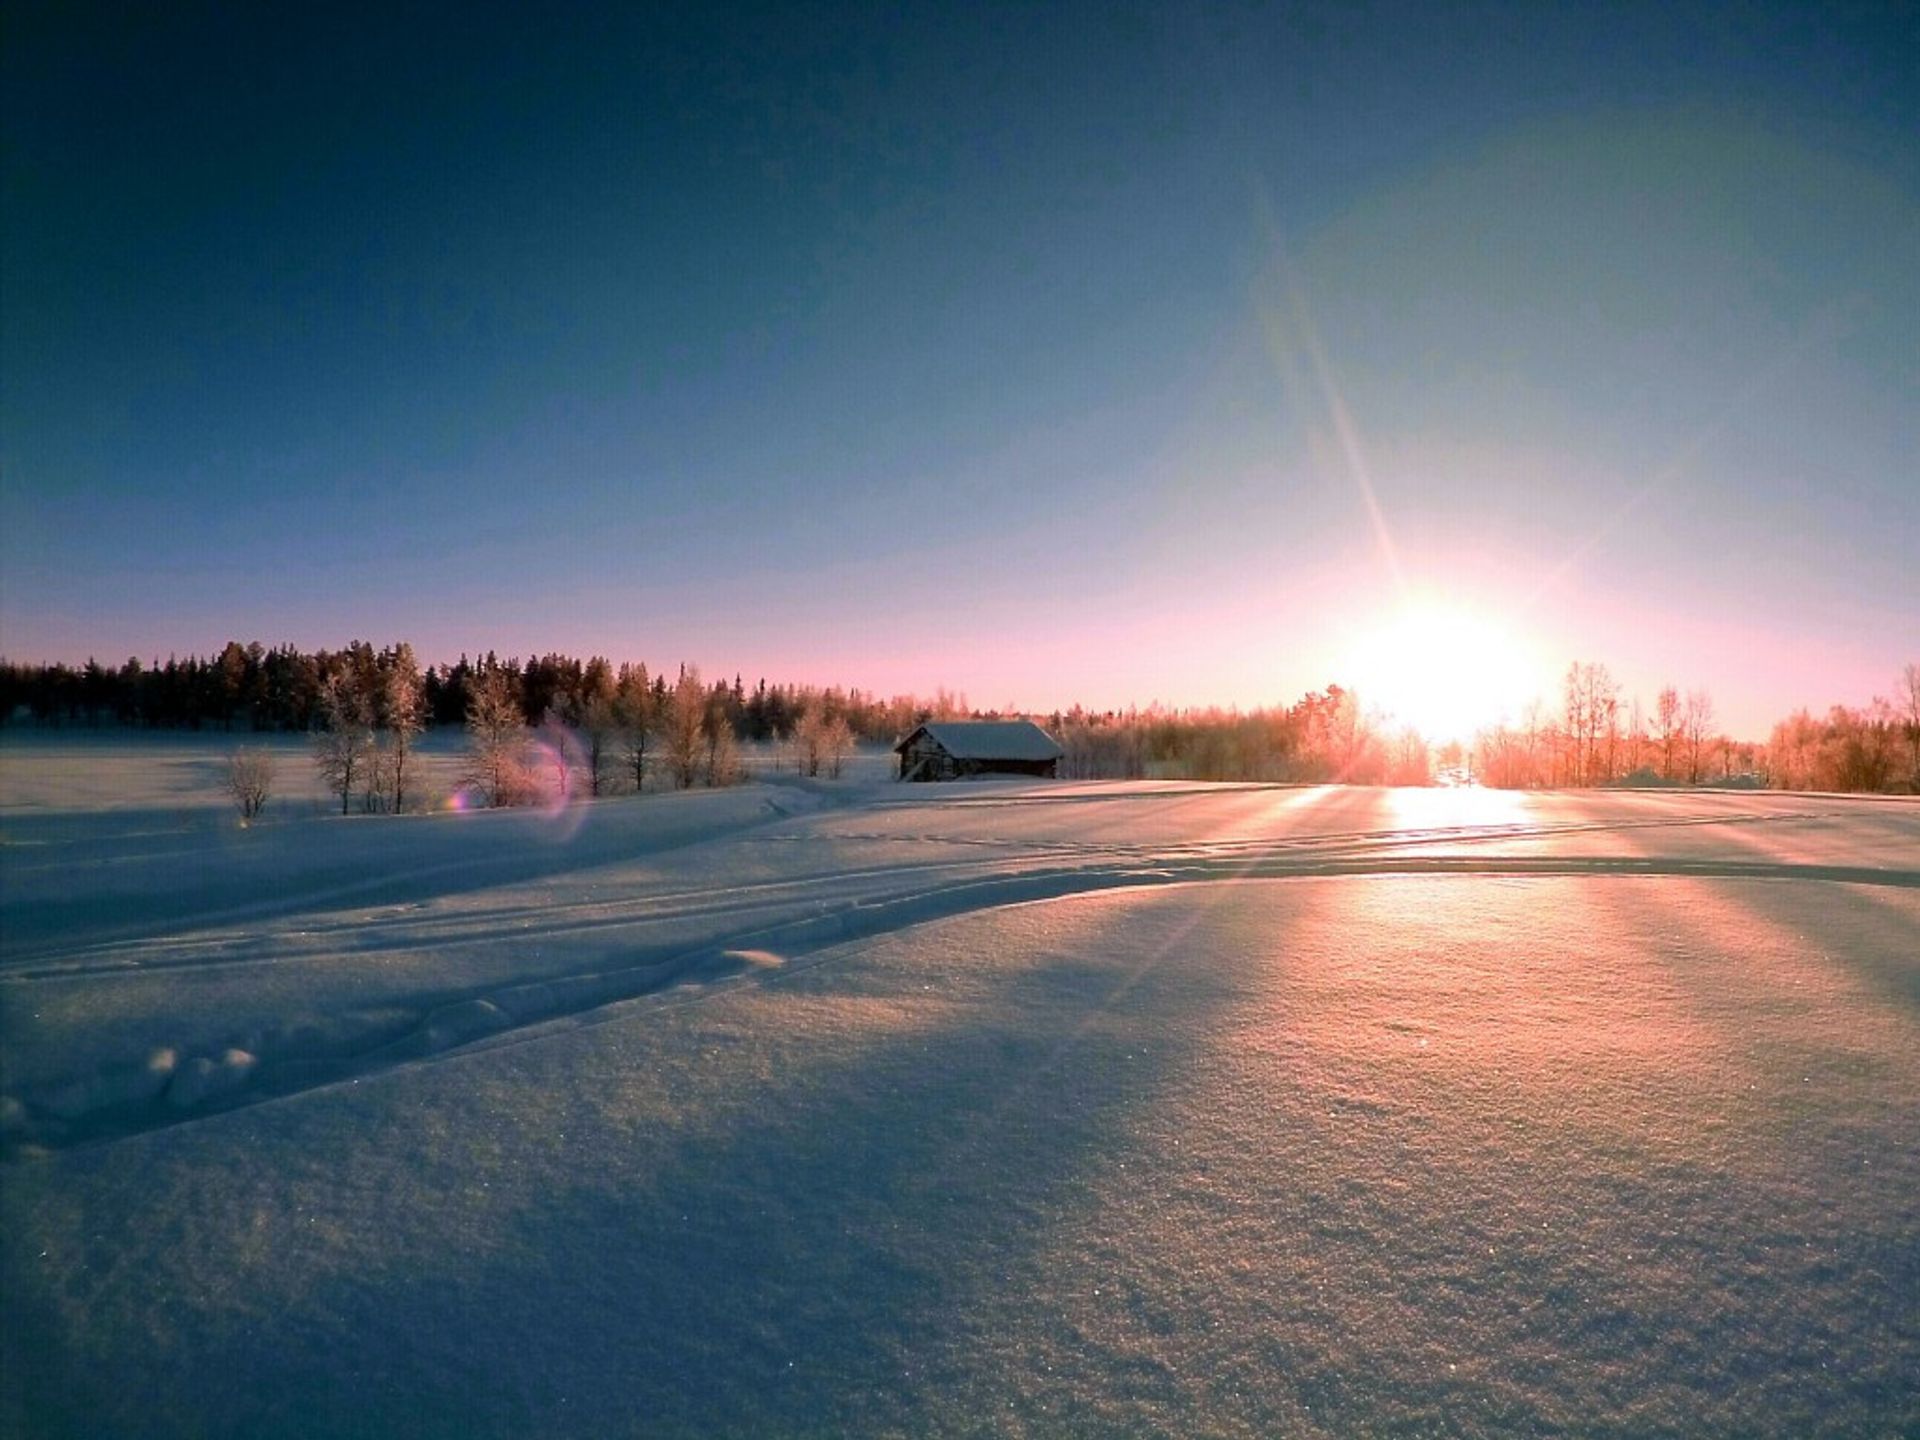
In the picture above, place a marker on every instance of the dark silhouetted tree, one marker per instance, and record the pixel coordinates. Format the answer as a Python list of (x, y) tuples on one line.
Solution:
[(636, 713)]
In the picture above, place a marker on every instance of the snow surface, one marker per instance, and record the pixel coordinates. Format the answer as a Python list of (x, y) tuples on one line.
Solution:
[(1002, 1108)]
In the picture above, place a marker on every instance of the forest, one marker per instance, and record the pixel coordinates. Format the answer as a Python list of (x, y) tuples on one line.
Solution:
[(625, 719)]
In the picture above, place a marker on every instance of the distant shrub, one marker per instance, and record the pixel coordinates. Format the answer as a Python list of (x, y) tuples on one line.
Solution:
[(250, 780)]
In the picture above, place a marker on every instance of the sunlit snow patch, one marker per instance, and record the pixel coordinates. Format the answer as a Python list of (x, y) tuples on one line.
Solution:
[(755, 959)]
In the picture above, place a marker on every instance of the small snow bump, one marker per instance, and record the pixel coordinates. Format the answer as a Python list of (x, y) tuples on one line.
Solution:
[(755, 959)]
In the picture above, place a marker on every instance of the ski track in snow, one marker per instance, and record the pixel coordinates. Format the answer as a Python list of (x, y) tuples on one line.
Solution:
[(1011, 1108), (667, 941)]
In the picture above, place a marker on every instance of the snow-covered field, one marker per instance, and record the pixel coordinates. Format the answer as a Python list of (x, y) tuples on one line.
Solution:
[(1007, 1108)]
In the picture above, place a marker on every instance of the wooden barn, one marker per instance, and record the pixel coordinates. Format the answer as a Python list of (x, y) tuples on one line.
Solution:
[(955, 749)]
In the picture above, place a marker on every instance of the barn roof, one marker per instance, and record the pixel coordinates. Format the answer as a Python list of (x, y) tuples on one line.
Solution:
[(989, 739)]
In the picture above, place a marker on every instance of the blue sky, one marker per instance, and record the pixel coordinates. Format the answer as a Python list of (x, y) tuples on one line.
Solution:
[(1006, 348)]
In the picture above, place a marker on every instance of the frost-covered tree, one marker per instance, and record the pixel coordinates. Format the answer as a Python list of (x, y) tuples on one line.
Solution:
[(1410, 759), (1850, 749), (1696, 728), (1909, 707), (683, 727), (722, 765), (1636, 737), (557, 740), (402, 716), (636, 715), (807, 741), (599, 724), (1592, 708), (594, 714), (1793, 752), (496, 739), (343, 751), (836, 746), (1668, 727), (250, 774)]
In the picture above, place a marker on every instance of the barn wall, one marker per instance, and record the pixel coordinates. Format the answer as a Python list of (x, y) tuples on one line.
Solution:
[(940, 765)]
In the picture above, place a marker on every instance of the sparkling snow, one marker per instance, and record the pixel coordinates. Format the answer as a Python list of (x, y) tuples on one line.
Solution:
[(1007, 1108)]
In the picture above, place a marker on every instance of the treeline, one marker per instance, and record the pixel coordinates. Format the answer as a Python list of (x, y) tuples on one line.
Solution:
[(1873, 748), (1596, 737), (614, 714), (250, 688), (1324, 738), (617, 735)]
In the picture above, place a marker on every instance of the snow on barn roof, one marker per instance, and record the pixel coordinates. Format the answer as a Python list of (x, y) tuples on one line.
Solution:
[(989, 739)]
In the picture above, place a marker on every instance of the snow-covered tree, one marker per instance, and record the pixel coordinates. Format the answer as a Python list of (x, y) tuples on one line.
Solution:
[(636, 714), (402, 716), (682, 727), (556, 738), (1696, 728), (836, 746), (250, 774), (722, 765), (496, 739), (594, 714), (343, 751), (1908, 704), (1668, 726)]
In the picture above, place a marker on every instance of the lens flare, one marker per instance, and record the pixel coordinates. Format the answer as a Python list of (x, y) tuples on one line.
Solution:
[(542, 778), (553, 762)]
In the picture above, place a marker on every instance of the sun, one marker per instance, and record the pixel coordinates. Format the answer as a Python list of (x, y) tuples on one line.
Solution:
[(1444, 670)]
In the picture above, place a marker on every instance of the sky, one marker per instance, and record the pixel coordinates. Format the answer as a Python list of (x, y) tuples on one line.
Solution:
[(1094, 353)]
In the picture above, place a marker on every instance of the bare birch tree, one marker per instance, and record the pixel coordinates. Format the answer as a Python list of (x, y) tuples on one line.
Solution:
[(557, 741), (722, 750), (1593, 710), (250, 780), (496, 737), (1696, 727), (808, 739), (836, 745), (682, 727), (1909, 705), (343, 751), (636, 716), (1668, 726), (403, 713), (599, 725)]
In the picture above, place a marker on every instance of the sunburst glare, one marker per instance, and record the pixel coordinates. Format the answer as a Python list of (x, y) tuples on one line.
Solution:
[(1445, 670)]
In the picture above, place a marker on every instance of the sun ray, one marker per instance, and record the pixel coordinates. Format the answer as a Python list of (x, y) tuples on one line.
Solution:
[(1288, 325)]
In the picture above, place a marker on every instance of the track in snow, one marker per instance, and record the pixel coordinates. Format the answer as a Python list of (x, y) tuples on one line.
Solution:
[(673, 942)]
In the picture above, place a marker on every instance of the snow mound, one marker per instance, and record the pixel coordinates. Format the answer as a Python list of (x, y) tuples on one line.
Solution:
[(755, 959), (457, 1024), (111, 1088), (202, 1079)]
